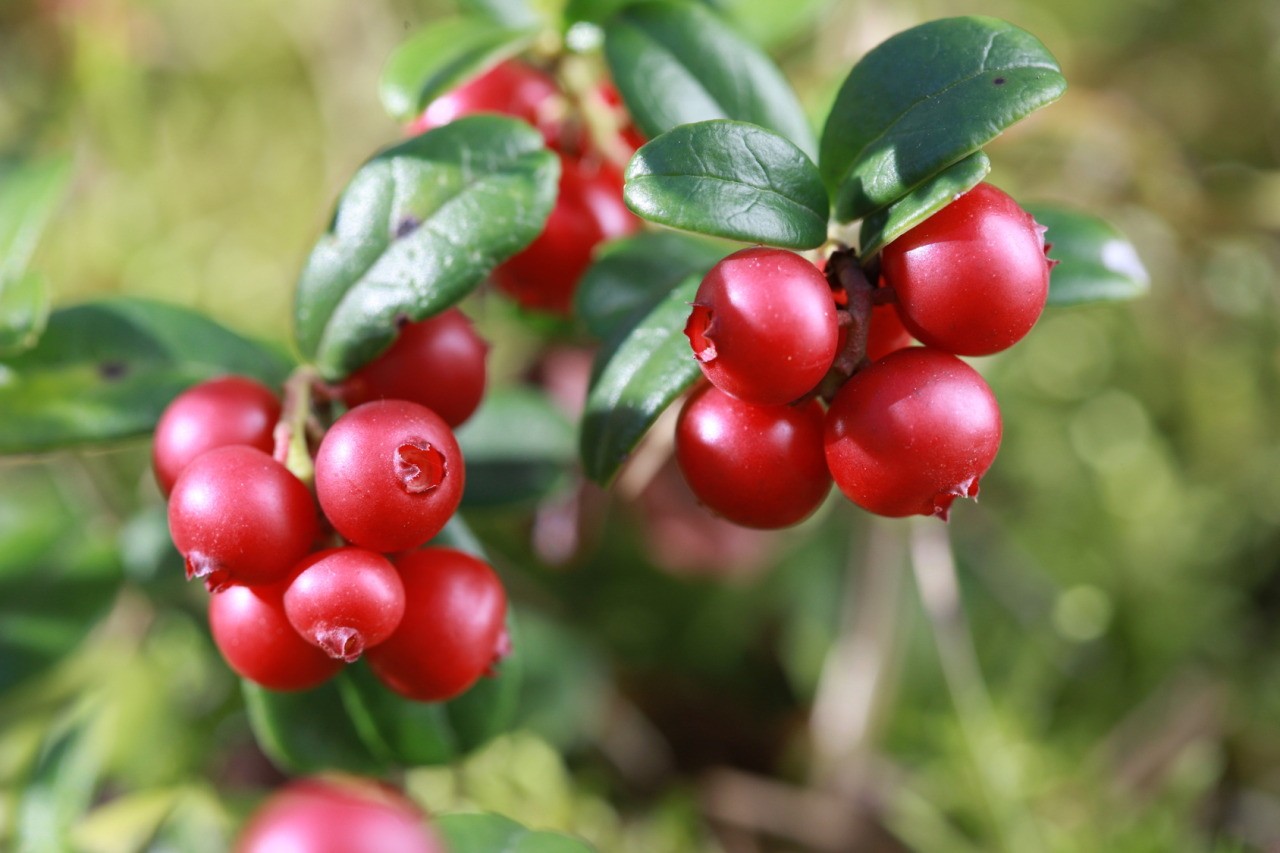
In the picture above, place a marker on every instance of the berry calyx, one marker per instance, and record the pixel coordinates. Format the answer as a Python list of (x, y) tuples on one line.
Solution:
[(911, 433), (758, 466), (253, 633), (973, 278), (763, 326), (345, 600)]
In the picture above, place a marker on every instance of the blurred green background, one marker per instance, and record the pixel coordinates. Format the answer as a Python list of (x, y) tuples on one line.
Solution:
[(1104, 676)]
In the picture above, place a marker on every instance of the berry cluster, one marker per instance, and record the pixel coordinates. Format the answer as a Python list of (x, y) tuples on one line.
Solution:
[(908, 429), (589, 207), (297, 593)]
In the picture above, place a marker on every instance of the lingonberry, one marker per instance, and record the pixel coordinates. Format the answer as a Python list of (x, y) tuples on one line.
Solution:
[(758, 466), (911, 433), (973, 278), (510, 88), (338, 815), (389, 474), (886, 333), (237, 515), (251, 630), (452, 631), (588, 211), (217, 413), (763, 326), (345, 600), (438, 363)]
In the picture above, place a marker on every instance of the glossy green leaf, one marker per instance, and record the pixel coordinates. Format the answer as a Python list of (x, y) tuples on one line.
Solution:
[(592, 11), (309, 731), (441, 56), (29, 193), (1097, 262), (923, 100), (105, 370), (730, 179), (487, 833), (419, 226), (517, 447), (889, 223), (635, 381), (633, 274), (676, 63)]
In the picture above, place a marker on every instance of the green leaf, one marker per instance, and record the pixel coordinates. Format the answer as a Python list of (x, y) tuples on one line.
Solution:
[(1098, 263), (730, 179), (486, 833), (105, 370), (635, 381), (677, 63), (308, 731), (516, 446), (889, 223), (65, 778), (510, 13), (419, 226), (632, 274), (441, 56), (24, 312), (29, 193), (923, 100)]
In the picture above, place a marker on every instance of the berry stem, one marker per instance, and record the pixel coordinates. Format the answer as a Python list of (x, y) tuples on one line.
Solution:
[(292, 449)]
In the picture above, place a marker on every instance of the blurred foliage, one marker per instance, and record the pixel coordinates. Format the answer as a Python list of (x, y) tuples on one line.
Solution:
[(1113, 684)]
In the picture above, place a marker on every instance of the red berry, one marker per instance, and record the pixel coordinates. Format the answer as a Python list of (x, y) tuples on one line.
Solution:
[(758, 466), (763, 326), (973, 278), (251, 630), (345, 600), (389, 474), (338, 815), (887, 334), (510, 88), (588, 211), (438, 363), (453, 627), (911, 433), (237, 515), (217, 413)]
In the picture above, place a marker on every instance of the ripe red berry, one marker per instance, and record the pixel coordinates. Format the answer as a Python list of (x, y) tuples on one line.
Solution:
[(763, 326), (452, 631), (237, 515), (973, 278), (588, 211), (911, 433), (338, 815), (511, 88), (438, 363), (887, 334), (217, 413), (251, 630), (345, 600), (758, 466), (389, 474)]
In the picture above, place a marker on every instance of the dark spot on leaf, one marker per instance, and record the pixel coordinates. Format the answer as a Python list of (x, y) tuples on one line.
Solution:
[(401, 320), (407, 226), (113, 370), (999, 81)]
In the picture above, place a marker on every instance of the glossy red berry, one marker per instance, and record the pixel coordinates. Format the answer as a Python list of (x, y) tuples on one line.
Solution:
[(251, 630), (453, 628), (438, 363), (911, 433), (973, 278), (389, 474), (338, 815), (511, 88), (588, 211), (887, 334), (758, 466), (763, 326), (237, 515), (217, 413), (345, 600)]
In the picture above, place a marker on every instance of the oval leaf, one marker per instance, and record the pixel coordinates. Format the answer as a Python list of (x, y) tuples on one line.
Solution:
[(923, 100), (677, 63), (105, 370), (485, 833), (632, 274), (1097, 262), (441, 56), (507, 465), (635, 381), (889, 223), (29, 193), (420, 225), (730, 179)]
